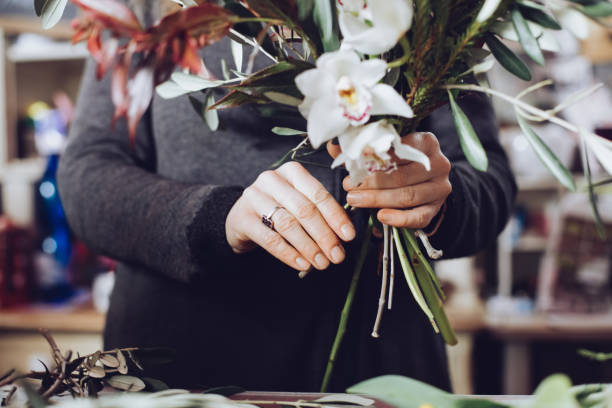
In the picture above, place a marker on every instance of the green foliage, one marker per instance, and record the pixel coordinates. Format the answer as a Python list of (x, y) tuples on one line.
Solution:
[(546, 156), (51, 12), (508, 59), (526, 38), (470, 144)]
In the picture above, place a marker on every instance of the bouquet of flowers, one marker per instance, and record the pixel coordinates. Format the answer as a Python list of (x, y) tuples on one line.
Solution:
[(362, 71)]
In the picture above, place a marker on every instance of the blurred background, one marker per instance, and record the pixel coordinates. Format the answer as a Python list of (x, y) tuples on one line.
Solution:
[(522, 308)]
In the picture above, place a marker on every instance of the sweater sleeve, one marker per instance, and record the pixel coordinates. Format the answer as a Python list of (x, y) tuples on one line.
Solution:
[(119, 207), (481, 202)]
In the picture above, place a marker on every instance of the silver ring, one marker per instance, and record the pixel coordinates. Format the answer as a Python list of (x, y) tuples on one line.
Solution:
[(267, 219)]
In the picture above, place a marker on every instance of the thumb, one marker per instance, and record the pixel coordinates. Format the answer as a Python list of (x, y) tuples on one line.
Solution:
[(333, 149)]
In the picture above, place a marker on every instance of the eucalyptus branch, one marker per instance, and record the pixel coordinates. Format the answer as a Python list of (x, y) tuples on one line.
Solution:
[(518, 103)]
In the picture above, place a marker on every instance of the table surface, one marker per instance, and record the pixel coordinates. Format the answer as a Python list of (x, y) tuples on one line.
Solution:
[(534, 327), (79, 320)]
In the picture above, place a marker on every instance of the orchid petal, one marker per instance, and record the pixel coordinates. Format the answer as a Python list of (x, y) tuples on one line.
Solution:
[(386, 101), (369, 72), (406, 152), (325, 121)]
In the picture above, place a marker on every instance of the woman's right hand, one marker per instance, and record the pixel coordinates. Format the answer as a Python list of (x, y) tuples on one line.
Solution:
[(307, 229)]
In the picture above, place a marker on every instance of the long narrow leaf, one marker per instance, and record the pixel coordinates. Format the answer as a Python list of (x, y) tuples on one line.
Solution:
[(546, 156), (411, 279), (539, 17), (470, 143), (52, 12), (526, 38), (592, 196), (598, 10), (324, 18), (509, 60)]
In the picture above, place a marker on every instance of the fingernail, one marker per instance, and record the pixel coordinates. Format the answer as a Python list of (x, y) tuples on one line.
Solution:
[(353, 197), (302, 263), (321, 261), (337, 254), (348, 232), (303, 274), (384, 218)]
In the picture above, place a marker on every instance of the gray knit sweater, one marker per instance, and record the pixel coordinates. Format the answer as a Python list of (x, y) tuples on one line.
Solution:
[(160, 210)]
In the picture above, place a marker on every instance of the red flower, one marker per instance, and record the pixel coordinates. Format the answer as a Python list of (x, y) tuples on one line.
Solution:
[(175, 40)]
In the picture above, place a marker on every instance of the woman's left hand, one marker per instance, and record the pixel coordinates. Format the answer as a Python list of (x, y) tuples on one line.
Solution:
[(409, 196)]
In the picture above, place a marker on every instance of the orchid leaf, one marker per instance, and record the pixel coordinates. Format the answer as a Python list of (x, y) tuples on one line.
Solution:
[(508, 59), (52, 12), (546, 156), (526, 38), (470, 144)]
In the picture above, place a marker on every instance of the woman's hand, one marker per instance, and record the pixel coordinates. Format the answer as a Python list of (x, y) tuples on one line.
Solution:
[(409, 196), (307, 227)]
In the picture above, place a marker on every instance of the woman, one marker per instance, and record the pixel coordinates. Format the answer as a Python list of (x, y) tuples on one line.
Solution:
[(199, 272)]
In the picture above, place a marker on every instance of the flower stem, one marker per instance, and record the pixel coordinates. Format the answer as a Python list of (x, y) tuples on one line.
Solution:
[(404, 59), (346, 310), (383, 285)]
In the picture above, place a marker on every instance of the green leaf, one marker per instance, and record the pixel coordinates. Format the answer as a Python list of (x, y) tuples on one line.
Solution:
[(52, 12), (154, 385), (470, 144), (554, 392), (237, 54), (509, 60), (539, 17), (38, 6), (547, 157), (194, 83), (282, 98), (304, 8), (526, 38), (170, 89), (403, 392), (324, 14), (283, 131), (601, 9), (34, 399), (592, 196), (237, 98), (210, 116)]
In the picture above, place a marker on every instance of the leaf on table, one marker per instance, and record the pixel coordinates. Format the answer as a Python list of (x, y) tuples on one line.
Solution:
[(403, 392), (126, 383), (554, 391), (154, 385), (122, 368), (226, 391), (345, 399), (96, 372), (109, 361)]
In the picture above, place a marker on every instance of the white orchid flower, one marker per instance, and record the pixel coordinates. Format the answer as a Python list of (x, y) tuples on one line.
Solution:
[(365, 150), (373, 27), (344, 91)]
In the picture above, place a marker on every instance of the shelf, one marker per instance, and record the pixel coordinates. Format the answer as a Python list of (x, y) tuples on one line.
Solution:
[(47, 52)]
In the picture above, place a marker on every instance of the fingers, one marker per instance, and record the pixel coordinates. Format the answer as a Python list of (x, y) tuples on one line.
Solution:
[(426, 142), (305, 211), (416, 218), (275, 244), (288, 227), (405, 175), (332, 212), (403, 197)]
